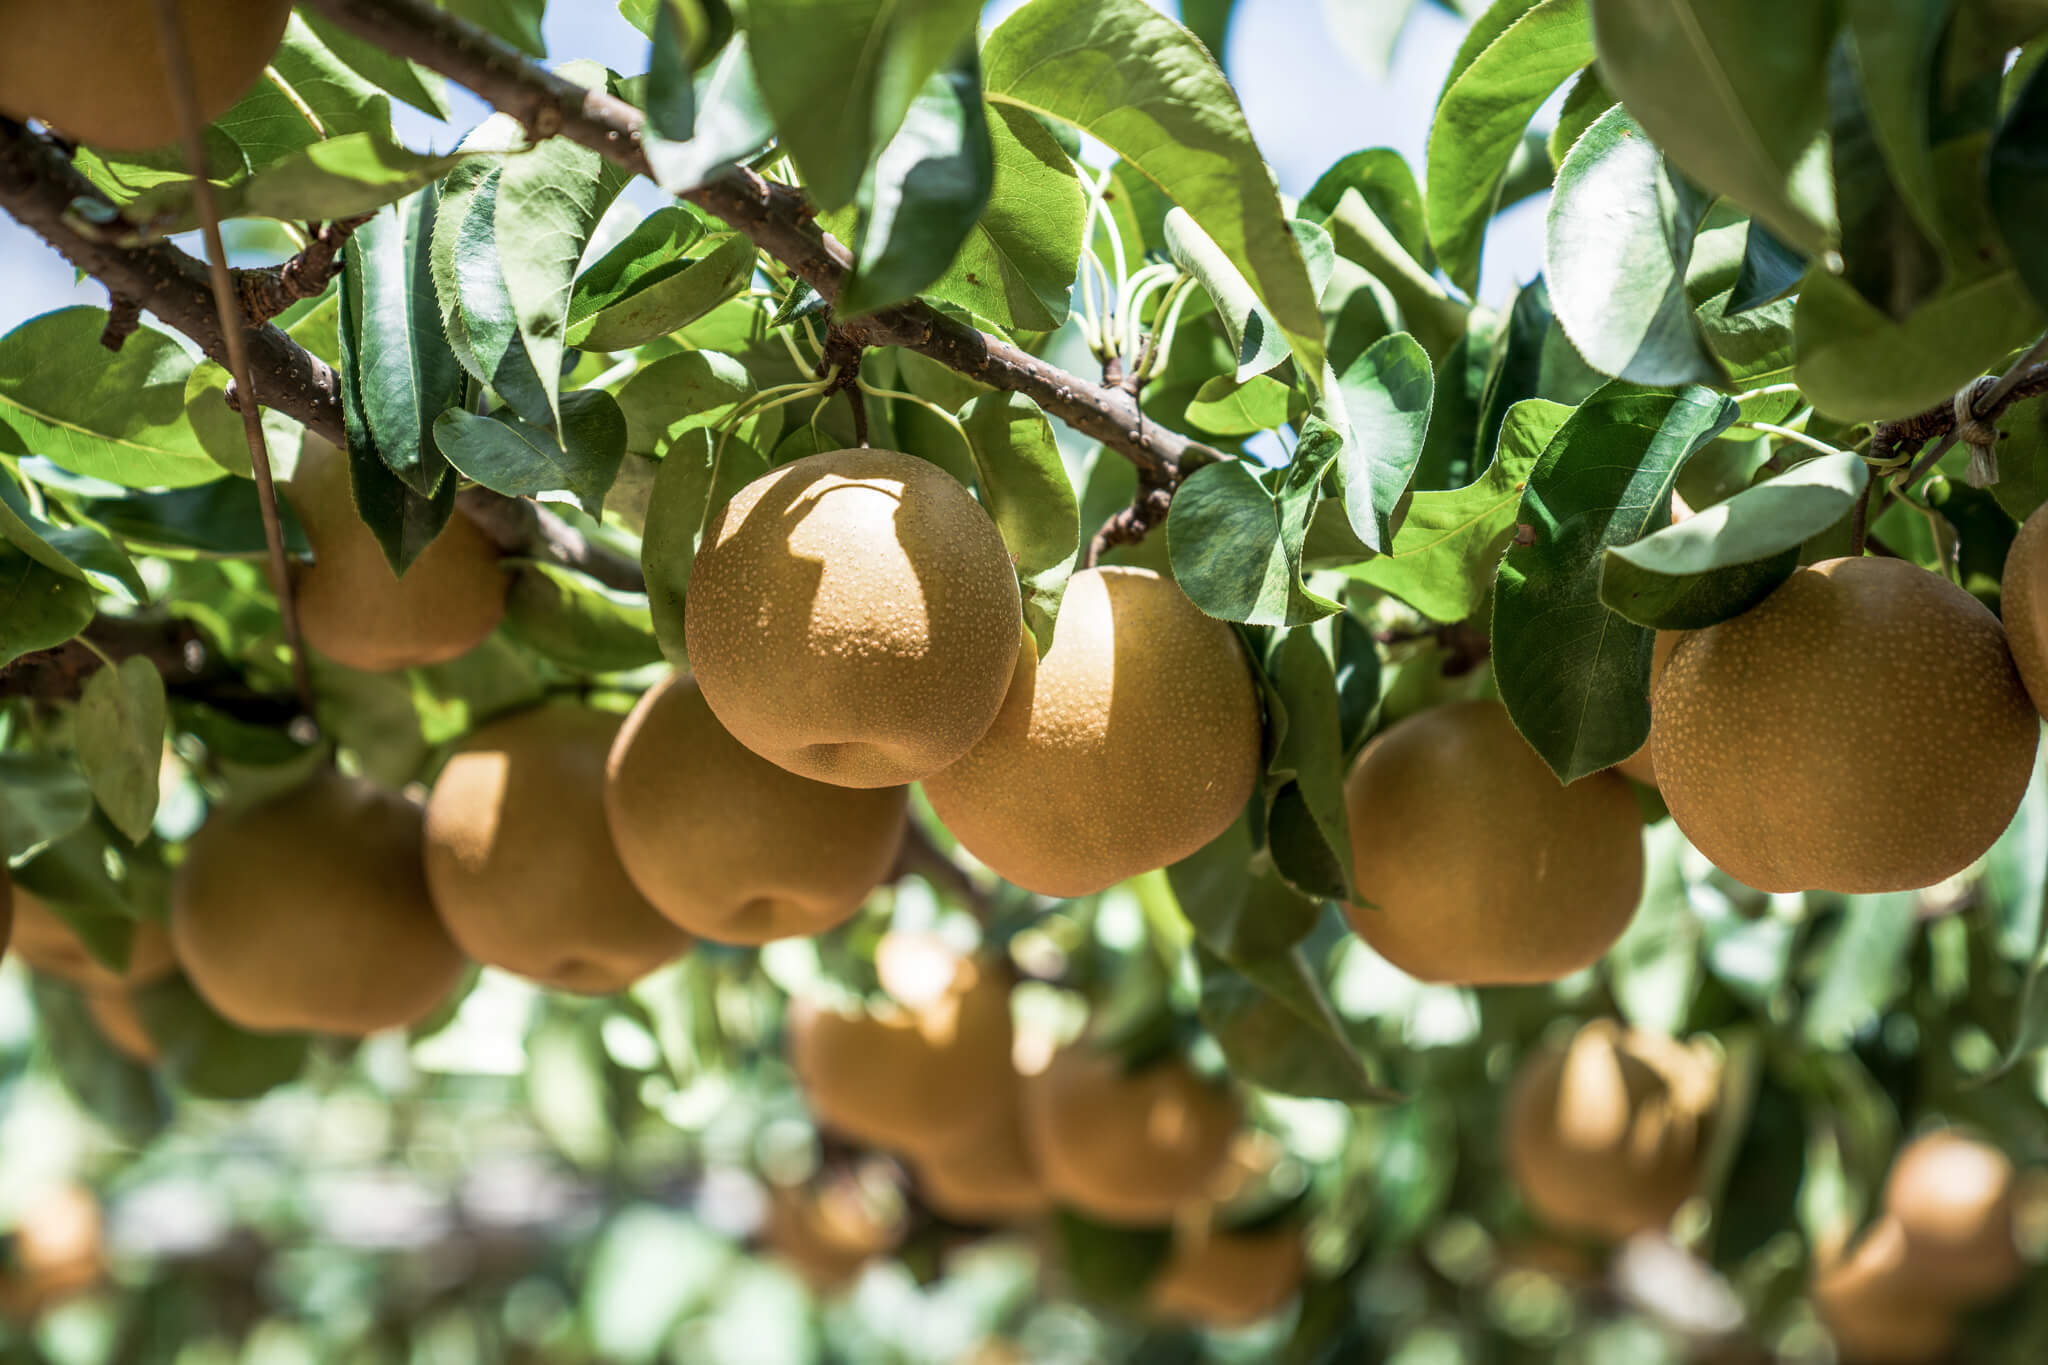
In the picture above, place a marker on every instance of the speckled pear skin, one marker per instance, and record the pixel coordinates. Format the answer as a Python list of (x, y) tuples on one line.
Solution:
[(1475, 865), (520, 861), (2023, 602), (853, 617), (308, 913), (96, 71), (1134, 742), (726, 844), (1957, 1200), (1863, 729)]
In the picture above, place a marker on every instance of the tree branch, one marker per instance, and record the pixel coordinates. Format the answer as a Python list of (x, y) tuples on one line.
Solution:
[(40, 187), (193, 668), (776, 217)]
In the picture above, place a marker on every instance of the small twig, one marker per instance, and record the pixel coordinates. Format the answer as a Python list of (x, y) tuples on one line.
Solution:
[(192, 129), (124, 317), (1147, 510), (840, 364), (919, 856), (269, 291)]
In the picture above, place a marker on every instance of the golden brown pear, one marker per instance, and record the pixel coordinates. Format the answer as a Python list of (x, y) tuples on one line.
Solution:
[(1227, 1279), (1134, 742), (47, 943), (308, 912), (829, 1230), (1862, 729), (1126, 1147), (6, 908), (1476, 865), (988, 1175), (58, 1253), (520, 861), (1605, 1136), (914, 1075), (2023, 602), (1955, 1199), (726, 844), (96, 71), (1874, 1306), (354, 610), (853, 617), (1641, 766), (120, 1023)]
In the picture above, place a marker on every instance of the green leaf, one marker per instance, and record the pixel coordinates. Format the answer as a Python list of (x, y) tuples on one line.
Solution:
[(74, 551), (1584, 103), (1236, 544), (1727, 558), (1275, 1024), (1125, 74), (39, 607), (424, 90), (1450, 540), (1769, 270), (1385, 396), (1573, 674), (1885, 254), (577, 623), (2016, 177), (680, 393), (1737, 115), (656, 249), (397, 362), (341, 177), (1023, 482), (476, 311), (119, 1093), (660, 301), (732, 124), (1479, 122), (1532, 358), (671, 92), (548, 203), (1255, 340), (1384, 181), (924, 194), (1617, 243), (210, 1057), (838, 76), (510, 455), (120, 739), (1896, 46), (1862, 970), (1435, 318), (1016, 267), (1229, 408), (43, 798), (1307, 756), (114, 415), (515, 21), (222, 518), (1239, 907), (698, 476)]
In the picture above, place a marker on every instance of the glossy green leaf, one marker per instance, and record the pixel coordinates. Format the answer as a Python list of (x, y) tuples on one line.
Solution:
[(424, 90), (477, 317), (1739, 116), (1727, 558), (2016, 176), (115, 415), (39, 607), (1127, 75), (1384, 181), (1275, 1024), (1856, 364), (1885, 254), (924, 195), (679, 393), (1238, 906), (1863, 969), (1896, 46), (1574, 674), (1022, 479), (1255, 340), (1584, 103), (1479, 122), (1228, 408), (515, 21), (838, 76), (1236, 540), (731, 124), (1616, 246), (656, 249), (1307, 759), (1450, 540), (1769, 270), (671, 90), (1428, 312), (222, 518), (698, 476), (510, 455), (341, 177), (1016, 266), (120, 738), (1385, 397), (578, 623), (75, 551), (43, 797), (663, 301), (398, 363)]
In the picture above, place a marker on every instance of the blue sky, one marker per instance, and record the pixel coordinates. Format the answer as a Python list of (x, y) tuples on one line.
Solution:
[(1307, 104)]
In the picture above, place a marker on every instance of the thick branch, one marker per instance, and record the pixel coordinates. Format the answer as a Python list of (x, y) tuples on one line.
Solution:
[(775, 216), (39, 186), (193, 668), (1906, 435)]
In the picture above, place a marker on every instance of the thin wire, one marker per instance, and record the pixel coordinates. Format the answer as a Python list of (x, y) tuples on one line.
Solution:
[(192, 131)]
